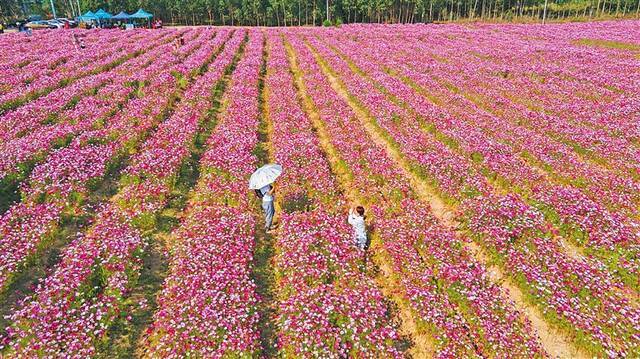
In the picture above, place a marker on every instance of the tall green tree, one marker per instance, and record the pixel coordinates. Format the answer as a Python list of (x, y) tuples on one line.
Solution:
[(312, 12)]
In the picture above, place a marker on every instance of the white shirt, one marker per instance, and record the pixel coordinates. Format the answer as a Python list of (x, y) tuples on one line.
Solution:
[(266, 197), (357, 222)]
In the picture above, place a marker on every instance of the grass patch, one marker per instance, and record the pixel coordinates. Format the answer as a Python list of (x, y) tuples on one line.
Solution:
[(609, 44), (263, 270), (48, 255), (36, 268), (124, 334)]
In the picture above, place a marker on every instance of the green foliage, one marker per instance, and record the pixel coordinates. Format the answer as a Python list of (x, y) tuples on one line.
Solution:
[(261, 152), (145, 221), (477, 157), (289, 12), (297, 202), (10, 189)]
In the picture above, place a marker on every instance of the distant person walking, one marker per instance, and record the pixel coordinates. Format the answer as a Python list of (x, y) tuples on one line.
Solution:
[(179, 42), (78, 42), (1, 28), (356, 220)]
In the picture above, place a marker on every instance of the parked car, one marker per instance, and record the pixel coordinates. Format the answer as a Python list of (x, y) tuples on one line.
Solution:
[(63, 20), (40, 24), (55, 23)]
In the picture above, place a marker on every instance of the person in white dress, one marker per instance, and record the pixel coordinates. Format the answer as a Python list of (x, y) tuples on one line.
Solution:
[(356, 220)]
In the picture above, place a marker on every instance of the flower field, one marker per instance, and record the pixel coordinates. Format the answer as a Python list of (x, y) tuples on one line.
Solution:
[(499, 166)]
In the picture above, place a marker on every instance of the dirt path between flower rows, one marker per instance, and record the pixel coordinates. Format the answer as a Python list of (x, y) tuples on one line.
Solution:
[(263, 266), (127, 339), (569, 248), (553, 341), (572, 250), (423, 346)]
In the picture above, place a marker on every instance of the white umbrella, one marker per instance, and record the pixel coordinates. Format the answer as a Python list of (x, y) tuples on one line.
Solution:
[(264, 175)]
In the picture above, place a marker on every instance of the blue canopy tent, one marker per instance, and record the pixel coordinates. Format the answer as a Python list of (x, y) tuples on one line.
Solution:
[(141, 14), (102, 15), (87, 17), (121, 16)]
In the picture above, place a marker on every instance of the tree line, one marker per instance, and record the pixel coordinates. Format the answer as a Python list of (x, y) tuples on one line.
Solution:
[(326, 12)]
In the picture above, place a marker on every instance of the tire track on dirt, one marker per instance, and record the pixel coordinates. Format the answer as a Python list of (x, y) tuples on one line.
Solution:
[(422, 342), (553, 341), (263, 271)]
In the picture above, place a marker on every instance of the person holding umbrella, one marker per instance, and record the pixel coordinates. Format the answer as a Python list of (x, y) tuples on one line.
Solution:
[(262, 182), (268, 192)]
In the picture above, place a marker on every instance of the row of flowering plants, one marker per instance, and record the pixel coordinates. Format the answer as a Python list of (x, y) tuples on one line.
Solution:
[(510, 127), (317, 262), (610, 236), (98, 282), (568, 102), (588, 322), (49, 109), (151, 174), (24, 66), (448, 292), (208, 303), (502, 160), (61, 183), (576, 294), (72, 307), (31, 130), (570, 163), (101, 53), (562, 108)]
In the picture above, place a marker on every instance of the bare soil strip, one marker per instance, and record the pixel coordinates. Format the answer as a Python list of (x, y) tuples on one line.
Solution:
[(125, 337), (263, 272), (570, 249), (553, 341), (423, 346)]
